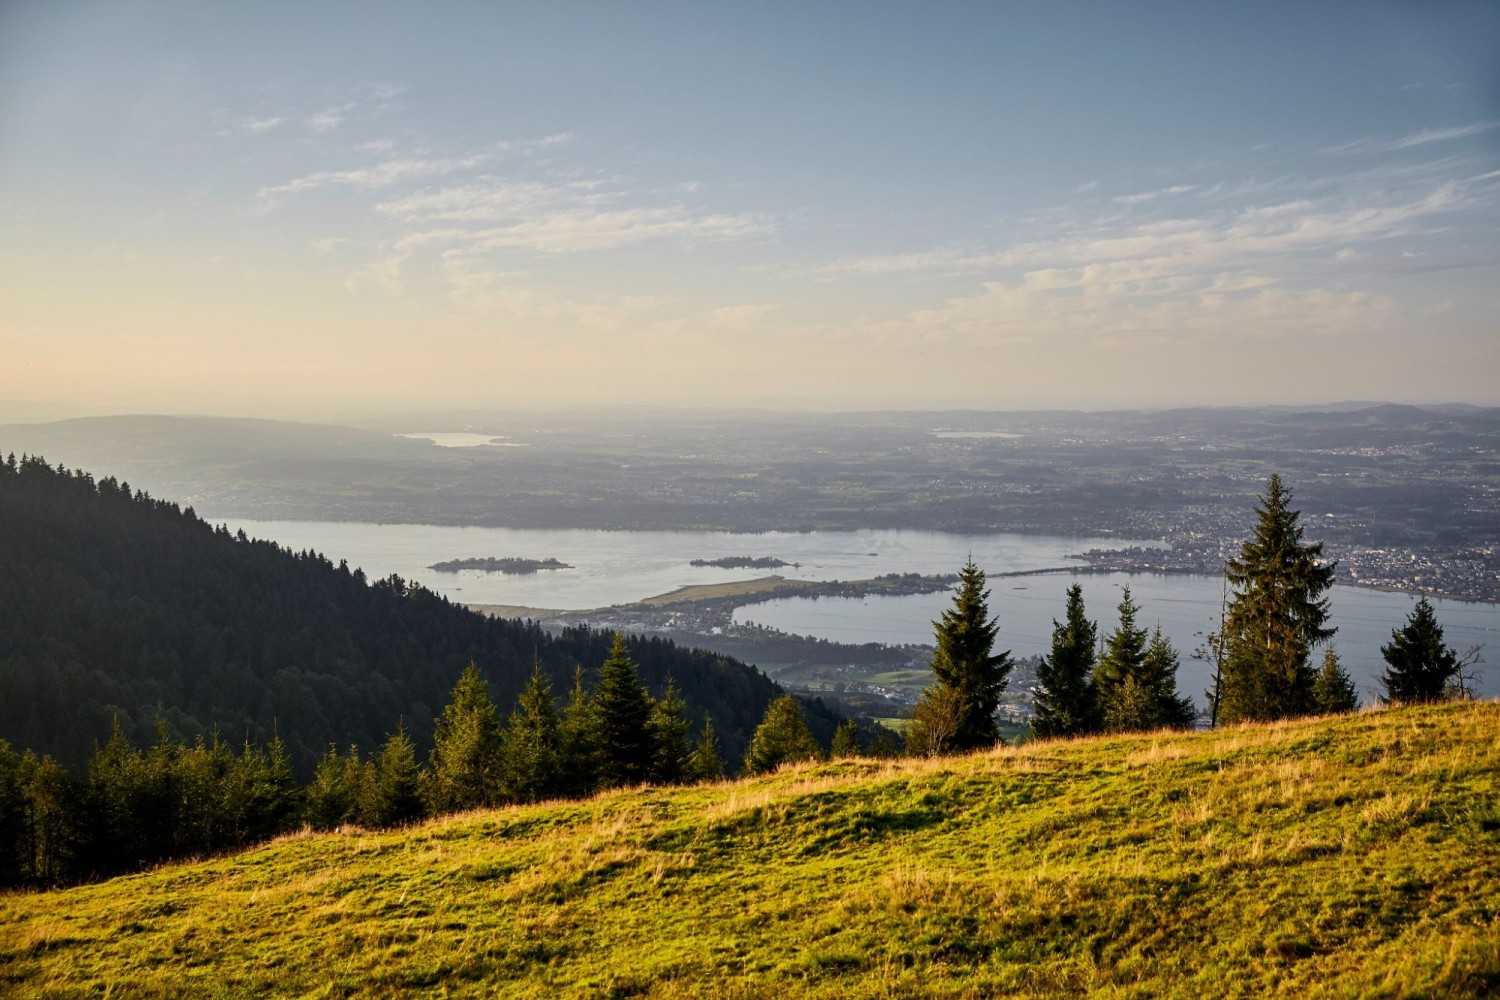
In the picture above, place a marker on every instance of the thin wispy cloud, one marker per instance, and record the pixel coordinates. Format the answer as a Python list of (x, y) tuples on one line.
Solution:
[(378, 175), (1380, 144), (1147, 196), (328, 119), (227, 123)]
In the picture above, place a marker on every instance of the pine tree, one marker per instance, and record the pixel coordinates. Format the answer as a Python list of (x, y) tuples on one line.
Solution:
[(1124, 656), (49, 837), (1420, 664), (12, 816), (1067, 701), (624, 710), (781, 738), (1333, 691), (670, 746), (464, 772), (332, 800), (1277, 614), (707, 760), (1137, 677), (582, 745), (845, 741), (966, 665), (1159, 677), (398, 782), (887, 743), (532, 751)]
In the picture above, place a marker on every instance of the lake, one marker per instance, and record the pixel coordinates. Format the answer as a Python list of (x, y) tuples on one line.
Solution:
[(1186, 607), (617, 567)]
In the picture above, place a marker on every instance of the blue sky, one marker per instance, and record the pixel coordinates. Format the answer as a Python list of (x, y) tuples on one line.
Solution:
[(262, 208)]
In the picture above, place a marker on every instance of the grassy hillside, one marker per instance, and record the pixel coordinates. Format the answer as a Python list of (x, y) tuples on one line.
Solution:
[(1351, 856)]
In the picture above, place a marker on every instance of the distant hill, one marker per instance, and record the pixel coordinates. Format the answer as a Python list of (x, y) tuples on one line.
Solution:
[(1348, 856), (114, 603)]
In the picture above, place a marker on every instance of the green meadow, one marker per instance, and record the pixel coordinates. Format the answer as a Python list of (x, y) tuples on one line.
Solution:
[(1345, 856)]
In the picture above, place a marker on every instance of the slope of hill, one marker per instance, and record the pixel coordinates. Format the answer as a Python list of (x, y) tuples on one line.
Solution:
[(113, 604), (1357, 855)]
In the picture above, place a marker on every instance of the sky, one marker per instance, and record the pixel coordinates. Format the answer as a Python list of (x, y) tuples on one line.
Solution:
[(307, 210)]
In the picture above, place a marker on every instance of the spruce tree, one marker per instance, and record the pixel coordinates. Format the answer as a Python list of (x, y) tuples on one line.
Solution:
[(398, 782), (12, 816), (532, 750), (1159, 677), (933, 729), (465, 759), (1333, 691), (707, 760), (1277, 614), (781, 738), (624, 710), (845, 741), (1420, 665), (671, 747), (1067, 701), (966, 665), (583, 748), (330, 800), (1124, 657)]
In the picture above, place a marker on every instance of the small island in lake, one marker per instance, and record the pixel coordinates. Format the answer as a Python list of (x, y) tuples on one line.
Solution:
[(512, 566), (743, 562)]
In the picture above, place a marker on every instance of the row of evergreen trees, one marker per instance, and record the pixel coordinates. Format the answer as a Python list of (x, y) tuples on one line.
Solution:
[(1129, 683), (131, 807), (1275, 614), (134, 807)]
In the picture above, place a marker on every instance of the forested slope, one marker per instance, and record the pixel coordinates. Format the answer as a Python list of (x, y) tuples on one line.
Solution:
[(113, 603)]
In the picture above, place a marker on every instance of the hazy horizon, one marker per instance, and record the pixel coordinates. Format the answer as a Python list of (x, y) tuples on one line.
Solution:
[(345, 212)]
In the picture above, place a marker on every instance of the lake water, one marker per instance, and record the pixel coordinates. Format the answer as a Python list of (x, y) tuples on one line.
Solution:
[(619, 567), (1186, 607)]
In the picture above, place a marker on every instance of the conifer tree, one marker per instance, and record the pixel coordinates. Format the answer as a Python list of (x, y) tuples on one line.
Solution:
[(845, 741), (1277, 614), (532, 745), (1333, 691), (707, 760), (12, 816), (398, 782), (583, 748), (1159, 677), (670, 746), (1067, 701), (887, 743), (1420, 665), (330, 801), (464, 773), (966, 665), (114, 839), (1124, 656), (49, 837), (781, 738), (624, 709), (1138, 677)]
